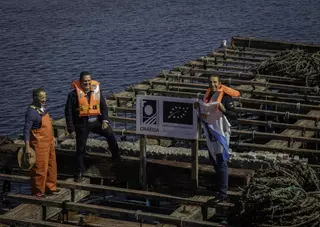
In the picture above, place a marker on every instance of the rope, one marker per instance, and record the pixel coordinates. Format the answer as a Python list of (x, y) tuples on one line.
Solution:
[(122, 132), (136, 214), (282, 194), (167, 84), (287, 115), (294, 63), (198, 95)]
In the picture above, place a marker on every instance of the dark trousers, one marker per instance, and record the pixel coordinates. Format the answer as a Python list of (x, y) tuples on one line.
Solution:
[(221, 169), (82, 133)]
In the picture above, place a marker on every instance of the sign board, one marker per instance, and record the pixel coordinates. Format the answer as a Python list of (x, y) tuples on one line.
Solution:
[(166, 116)]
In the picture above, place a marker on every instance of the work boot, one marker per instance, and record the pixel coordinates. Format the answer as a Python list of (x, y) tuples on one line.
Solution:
[(40, 195), (79, 177), (53, 192), (218, 200)]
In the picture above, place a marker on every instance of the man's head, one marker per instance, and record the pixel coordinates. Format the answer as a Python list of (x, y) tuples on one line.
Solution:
[(39, 97), (85, 81), (214, 82)]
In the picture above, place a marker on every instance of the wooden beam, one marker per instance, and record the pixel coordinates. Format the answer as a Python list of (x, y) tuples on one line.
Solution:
[(296, 105), (193, 64), (294, 133), (228, 76), (120, 191), (143, 162), (294, 88), (191, 212), (116, 212), (226, 62), (30, 222), (225, 57), (246, 53), (36, 212), (288, 115), (273, 44), (302, 128), (273, 148), (257, 134), (276, 136), (193, 92), (195, 163), (100, 165), (254, 50)]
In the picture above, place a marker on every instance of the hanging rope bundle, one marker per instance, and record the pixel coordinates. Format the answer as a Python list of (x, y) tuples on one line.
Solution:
[(294, 64), (282, 195)]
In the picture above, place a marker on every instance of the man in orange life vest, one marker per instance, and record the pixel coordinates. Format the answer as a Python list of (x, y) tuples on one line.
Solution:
[(86, 111), (38, 135), (223, 95)]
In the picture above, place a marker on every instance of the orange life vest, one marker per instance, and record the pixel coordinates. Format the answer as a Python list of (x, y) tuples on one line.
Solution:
[(91, 108), (221, 91)]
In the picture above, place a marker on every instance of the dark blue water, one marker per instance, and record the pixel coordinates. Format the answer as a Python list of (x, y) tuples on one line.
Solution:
[(48, 43)]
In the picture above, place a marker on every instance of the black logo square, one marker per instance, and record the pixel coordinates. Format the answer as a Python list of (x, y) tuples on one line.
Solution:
[(150, 112)]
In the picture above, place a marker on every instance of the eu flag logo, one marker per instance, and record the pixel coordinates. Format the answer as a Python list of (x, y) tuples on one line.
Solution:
[(178, 113)]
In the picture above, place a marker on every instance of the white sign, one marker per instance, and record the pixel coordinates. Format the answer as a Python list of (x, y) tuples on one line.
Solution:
[(166, 116)]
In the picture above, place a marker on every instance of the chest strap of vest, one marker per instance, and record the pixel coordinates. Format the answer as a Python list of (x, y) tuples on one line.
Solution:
[(37, 109), (94, 107)]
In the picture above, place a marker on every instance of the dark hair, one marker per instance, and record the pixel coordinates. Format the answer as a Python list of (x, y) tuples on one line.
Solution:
[(217, 76), (84, 73), (36, 92)]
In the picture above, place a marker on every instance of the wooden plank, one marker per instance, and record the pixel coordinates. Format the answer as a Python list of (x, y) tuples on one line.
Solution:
[(263, 134), (255, 50), (185, 71), (246, 110), (195, 163), (83, 186), (225, 57), (193, 92), (95, 221), (294, 88), (143, 162), (245, 53), (273, 44), (295, 133), (100, 165), (226, 62), (35, 211), (294, 105), (206, 66), (116, 212), (191, 212), (271, 124), (13, 221)]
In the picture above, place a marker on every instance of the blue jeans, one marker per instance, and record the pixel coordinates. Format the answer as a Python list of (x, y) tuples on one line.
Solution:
[(221, 169)]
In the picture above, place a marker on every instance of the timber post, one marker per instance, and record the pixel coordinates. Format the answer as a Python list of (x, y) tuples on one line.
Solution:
[(143, 162)]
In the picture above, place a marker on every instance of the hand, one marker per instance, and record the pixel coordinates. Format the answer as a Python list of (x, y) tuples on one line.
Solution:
[(28, 151), (105, 125), (222, 108), (72, 135), (196, 105)]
